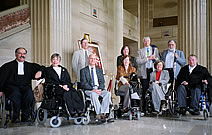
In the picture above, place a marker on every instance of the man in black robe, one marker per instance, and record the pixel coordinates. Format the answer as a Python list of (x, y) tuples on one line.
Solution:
[(15, 82), (190, 79)]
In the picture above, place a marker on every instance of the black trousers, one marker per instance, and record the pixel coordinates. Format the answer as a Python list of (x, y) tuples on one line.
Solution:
[(22, 98), (73, 101), (145, 86)]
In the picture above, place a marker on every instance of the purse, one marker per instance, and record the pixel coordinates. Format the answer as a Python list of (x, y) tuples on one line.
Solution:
[(38, 91)]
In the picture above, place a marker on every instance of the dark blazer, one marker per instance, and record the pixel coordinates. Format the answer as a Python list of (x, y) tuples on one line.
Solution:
[(180, 61), (133, 61), (86, 81), (194, 79), (9, 71), (51, 76)]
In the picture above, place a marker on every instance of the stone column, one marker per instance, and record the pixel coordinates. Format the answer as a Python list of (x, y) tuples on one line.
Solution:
[(209, 34), (51, 30), (118, 29), (192, 29)]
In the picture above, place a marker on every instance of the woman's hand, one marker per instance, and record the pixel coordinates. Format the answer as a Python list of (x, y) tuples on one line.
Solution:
[(65, 87)]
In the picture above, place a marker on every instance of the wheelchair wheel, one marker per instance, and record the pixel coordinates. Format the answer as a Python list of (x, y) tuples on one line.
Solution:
[(55, 121), (205, 114), (172, 102), (86, 120), (78, 121), (42, 115), (2, 111)]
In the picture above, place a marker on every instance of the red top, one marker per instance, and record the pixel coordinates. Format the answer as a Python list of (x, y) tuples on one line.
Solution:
[(158, 75)]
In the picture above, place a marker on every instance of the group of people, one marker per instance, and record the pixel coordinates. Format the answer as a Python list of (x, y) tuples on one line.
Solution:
[(16, 76), (156, 71)]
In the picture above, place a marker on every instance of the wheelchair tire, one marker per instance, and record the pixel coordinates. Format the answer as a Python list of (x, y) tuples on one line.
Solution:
[(55, 121), (86, 120), (42, 115), (205, 114), (2, 111), (78, 121), (172, 100)]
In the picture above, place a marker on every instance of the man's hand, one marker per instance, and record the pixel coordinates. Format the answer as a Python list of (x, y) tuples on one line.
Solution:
[(38, 75), (176, 55), (65, 87), (185, 83), (1, 94), (99, 92), (157, 82), (152, 57), (205, 81)]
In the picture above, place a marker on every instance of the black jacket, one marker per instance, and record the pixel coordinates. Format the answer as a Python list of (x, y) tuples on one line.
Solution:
[(194, 79)]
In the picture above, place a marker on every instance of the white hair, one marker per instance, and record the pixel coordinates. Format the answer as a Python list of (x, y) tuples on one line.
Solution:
[(148, 38)]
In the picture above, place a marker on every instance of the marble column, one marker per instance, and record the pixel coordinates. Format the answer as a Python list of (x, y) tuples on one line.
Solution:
[(192, 29), (209, 34), (118, 29), (51, 30)]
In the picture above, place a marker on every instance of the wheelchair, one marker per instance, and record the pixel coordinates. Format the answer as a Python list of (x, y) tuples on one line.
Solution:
[(203, 103), (90, 110), (7, 110), (54, 107), (135, 89), (168, 106)]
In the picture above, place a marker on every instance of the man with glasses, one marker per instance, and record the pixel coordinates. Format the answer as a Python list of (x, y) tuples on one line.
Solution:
[(15, 82)]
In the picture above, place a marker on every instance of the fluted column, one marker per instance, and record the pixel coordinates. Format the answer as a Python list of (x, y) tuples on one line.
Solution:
[(209, 34), (118, 28), (60, 30), (51, 30), (192, 29)]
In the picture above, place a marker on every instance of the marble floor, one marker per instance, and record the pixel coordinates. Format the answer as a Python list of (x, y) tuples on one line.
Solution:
[(186, 125)]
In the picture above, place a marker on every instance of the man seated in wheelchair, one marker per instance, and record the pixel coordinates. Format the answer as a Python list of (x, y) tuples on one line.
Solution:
[(15, 82), (58, 88), (93, 83), (190, 80), (127, 83), (158, 85)]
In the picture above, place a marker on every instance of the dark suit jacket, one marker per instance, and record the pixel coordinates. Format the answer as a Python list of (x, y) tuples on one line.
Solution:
[(51, 76), (86, 81), (9, 71), (133, 61), (194, 79)]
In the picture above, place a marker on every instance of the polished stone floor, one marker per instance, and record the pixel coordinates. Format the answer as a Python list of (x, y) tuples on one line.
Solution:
[(188, 125)]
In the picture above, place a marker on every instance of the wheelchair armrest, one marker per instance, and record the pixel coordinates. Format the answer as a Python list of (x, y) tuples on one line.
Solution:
[(116, 87)]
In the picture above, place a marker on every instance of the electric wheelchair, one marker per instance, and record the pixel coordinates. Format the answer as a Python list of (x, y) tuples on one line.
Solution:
[(7, 110), (135, 91), (53, 106)]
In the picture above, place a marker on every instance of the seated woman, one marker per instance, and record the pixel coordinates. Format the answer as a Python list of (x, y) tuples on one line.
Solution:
[(123, 74), (125, 50), (158, 84), (59, 76)]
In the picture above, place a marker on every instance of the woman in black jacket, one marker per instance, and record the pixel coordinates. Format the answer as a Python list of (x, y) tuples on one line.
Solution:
[(59, 76)]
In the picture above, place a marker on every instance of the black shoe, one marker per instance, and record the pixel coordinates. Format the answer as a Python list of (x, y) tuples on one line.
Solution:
[(182, 111), (15, 121), (194, 111)]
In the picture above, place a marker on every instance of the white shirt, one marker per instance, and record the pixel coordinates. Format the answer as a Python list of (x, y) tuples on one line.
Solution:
[(191, 68), (96, 83), (169, 62), (58, 71), (20, 68)]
